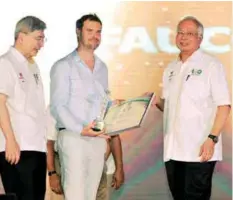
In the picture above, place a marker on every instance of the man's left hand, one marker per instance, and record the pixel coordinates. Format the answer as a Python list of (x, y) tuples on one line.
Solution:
[(118, 178), (207, 150), (55, 184)]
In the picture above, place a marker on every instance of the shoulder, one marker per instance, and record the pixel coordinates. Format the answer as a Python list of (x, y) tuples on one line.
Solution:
[(5, 63), (101, 64), (61, 65), (210, 60)]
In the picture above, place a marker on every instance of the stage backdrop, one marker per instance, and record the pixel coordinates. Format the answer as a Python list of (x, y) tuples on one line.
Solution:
[(137, 45)]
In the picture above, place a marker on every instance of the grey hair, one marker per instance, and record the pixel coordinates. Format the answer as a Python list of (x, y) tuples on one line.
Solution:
[(200, 27), (29, 24)]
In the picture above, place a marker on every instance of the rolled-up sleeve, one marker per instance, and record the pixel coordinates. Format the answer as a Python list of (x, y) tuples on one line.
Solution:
[(59, 97), (218, 84), (7, 83)]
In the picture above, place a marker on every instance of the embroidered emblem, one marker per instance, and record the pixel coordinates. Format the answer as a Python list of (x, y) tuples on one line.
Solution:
[(196, 72), (199, 71), (171, 75), (21, 78), (36, 78)]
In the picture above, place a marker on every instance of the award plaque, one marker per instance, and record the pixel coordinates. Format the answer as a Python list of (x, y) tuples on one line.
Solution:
[(127, 115)]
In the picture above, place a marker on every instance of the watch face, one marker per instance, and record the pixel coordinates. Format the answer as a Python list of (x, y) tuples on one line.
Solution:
[(214, 138)]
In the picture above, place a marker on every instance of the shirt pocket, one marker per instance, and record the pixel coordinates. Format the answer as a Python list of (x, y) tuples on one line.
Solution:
[(196, 88), (170, 86), (20, 92), (76, 87)]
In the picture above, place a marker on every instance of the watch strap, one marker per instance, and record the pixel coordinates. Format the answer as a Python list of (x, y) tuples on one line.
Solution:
[(50, 173)]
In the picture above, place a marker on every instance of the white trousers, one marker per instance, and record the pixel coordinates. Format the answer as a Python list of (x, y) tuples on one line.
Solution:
[(82, 163)]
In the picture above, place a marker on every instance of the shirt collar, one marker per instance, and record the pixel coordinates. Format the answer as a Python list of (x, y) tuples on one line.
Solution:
[(19, 56), (78, 59), (194, 57), (75, 55)]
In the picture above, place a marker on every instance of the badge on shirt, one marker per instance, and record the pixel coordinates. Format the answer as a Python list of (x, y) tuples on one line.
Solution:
[(196, 72), (171, 75), (21, 78), (36, 78)]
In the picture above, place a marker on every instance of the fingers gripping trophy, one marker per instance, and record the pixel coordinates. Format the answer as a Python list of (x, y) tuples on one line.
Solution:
[(99, 124)]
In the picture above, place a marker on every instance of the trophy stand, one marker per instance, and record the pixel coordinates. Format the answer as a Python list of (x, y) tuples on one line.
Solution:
[(99, 121)]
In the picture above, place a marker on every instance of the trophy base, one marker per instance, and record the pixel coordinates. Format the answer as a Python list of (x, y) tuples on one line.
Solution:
[(99, 126), (96, 129)]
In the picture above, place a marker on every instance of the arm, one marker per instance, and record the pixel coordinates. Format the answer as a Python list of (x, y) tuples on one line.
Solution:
[(54, 179), (59, 96), (160, 103), (5, 119), (7, 85), (116, 148), (220, 119), (221, 98), (12, 151), (50, 156)]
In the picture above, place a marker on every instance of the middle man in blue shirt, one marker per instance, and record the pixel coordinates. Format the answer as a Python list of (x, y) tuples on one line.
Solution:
[(79, 84)]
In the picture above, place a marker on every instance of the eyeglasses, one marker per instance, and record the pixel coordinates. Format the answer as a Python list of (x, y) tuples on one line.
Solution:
[(37, 38), (188, 34), (40, 39)]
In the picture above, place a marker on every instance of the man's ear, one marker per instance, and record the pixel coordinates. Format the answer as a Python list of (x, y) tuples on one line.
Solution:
[(78, 32), (20, 37)]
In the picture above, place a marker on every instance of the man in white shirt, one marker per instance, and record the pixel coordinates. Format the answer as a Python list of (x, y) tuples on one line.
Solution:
[(22, 114), (196, 105)]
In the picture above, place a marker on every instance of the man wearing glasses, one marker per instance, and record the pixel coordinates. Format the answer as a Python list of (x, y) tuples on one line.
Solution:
[(196, 106), (22, 114)]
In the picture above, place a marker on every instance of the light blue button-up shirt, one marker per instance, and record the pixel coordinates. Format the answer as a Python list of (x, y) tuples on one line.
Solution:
[(77, 92)]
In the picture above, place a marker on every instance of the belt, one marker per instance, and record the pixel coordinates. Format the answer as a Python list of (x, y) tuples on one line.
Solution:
[(60, 129)]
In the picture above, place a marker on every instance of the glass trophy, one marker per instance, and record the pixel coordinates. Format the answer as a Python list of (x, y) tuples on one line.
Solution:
[(99, 121)]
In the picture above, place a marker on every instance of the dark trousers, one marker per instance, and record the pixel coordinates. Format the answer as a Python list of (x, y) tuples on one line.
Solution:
[(8, 197), (27, 179), (190, 180)]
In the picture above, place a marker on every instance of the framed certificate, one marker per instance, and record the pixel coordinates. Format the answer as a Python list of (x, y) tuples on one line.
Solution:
[(127, 115)]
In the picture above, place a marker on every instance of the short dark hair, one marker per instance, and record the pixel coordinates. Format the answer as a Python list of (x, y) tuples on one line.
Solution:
[(91, 17)]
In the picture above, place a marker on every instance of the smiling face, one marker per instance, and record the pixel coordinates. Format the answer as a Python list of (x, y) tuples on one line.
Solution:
[(90, 35), (187, 38)]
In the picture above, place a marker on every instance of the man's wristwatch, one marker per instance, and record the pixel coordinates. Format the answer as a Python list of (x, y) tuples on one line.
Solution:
[(213, 137), (50, 173)]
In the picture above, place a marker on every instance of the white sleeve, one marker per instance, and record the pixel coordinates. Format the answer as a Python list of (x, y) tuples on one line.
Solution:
[(59, 98), (218, 85), (7, 82), (51, 126)]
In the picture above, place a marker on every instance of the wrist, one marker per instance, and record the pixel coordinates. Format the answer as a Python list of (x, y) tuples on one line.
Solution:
[(10, 138), (52, 172), (119, 167), (213, 137)]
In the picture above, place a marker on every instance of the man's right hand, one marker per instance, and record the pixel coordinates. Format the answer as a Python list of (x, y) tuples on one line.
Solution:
[(12, 151), (55, 184), (87, 131)]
